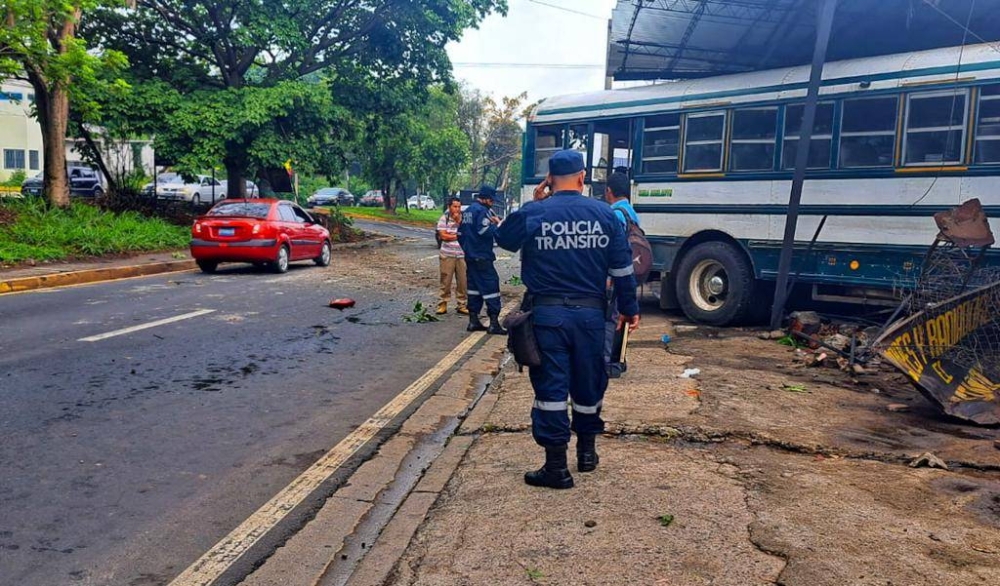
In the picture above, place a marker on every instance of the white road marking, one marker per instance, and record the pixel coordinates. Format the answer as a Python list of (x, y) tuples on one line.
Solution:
[(218, 560), (146, 326)]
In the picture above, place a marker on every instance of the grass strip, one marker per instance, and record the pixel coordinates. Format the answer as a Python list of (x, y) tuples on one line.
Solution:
[(419, 217), (31, 230)]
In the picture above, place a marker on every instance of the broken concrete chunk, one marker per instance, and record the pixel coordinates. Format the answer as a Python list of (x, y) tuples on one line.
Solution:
[(897, 407), (928, 460)]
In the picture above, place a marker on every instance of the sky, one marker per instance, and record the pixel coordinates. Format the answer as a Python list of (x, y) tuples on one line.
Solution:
[(505, 56)]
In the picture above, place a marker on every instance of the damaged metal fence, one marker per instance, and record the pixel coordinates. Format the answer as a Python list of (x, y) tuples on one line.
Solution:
[(948, 343)]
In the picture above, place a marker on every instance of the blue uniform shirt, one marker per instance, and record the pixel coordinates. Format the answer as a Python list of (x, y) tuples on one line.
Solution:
[(475, 235), (623, 207), (570, 245)]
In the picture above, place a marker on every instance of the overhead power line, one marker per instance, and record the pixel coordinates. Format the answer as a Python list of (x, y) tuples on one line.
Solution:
[(496, 65), (564, 9)]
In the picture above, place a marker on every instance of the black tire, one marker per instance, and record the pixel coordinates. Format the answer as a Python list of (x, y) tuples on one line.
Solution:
[(326, 253), (196, 201), (280, 264), (98, 192), (715, 284), (207, 266)]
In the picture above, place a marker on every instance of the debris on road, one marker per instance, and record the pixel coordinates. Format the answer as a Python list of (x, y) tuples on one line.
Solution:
[(342, 303), (897, 407), (794, 388), (690, 372), (666, 519), (928, 460)]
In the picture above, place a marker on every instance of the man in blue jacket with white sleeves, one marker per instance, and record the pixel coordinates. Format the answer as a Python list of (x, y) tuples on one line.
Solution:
[(570, 244)]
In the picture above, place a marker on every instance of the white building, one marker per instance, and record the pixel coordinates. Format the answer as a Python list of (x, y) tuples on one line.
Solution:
[(21, 138)]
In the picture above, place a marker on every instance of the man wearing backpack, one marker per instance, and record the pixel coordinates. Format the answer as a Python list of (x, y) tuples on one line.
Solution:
[(617, 194)]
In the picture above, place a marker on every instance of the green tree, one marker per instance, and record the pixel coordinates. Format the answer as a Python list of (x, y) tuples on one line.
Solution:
[(39, 44), (248, 53)]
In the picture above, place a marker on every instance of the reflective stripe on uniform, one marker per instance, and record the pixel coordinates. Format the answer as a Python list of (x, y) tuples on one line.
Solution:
[(490, 296), (588, 410), (483, 231), (629, 270), (475, 293), (551, 405)]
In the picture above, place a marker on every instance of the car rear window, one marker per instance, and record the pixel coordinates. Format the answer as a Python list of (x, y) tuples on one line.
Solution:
[(245, 210)]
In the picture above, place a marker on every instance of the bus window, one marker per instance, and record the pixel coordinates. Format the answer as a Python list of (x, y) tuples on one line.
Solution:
[(703, 139), (752, 147), (868, 132), (935, 128), (660, 142), (988, 126), (579, 138), (548, 140), (822, 137)]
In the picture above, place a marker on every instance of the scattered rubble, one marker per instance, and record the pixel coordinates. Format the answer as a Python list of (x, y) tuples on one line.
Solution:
[(928, 460)]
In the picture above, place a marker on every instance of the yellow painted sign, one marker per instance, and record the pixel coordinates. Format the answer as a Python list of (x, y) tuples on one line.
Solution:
[(942, 349)]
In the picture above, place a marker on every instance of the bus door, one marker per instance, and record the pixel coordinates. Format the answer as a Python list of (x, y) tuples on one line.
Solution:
[(611, 150)]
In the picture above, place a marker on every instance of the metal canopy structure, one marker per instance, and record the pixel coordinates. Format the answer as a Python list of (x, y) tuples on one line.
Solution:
[(678, 39), (681, 39)]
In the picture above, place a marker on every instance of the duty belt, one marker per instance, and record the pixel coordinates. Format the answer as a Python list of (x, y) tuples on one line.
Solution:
[(569, 301)]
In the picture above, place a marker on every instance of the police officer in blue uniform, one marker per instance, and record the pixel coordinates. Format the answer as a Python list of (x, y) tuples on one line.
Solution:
[(569, 246), (475, 235)]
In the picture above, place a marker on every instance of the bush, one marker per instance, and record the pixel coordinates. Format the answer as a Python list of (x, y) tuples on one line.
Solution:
[(16, 179)]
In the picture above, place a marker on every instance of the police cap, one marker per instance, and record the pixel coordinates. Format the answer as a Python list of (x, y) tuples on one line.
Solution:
[(565, 162), (486, 192)]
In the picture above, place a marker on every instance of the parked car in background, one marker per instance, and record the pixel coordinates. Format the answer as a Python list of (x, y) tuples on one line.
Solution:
[(331, 196), (270, 232), (372, 198), (421, 202), (83, 182), (202, 189)]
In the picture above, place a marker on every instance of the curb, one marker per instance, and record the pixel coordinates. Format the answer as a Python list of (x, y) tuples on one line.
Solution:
[(93, 276), (88, 276)]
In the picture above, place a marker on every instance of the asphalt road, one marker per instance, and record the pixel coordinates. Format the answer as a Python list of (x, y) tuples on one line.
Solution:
[(397, 230), (123, 459)]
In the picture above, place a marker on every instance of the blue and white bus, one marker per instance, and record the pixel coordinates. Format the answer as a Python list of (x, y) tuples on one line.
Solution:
[(897, 138)]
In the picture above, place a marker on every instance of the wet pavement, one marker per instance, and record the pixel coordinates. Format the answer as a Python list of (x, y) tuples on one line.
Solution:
[(123, 459)]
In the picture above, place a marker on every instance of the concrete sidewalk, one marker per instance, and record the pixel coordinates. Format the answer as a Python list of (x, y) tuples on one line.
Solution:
[(759, 471)]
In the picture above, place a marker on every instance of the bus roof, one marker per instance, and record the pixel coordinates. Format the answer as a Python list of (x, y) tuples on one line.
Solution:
[(978, 62)]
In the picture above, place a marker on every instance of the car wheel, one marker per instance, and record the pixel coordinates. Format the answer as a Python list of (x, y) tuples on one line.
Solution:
[(280, 264), (323, 259), (98, 192), (196, 200), (715, 284), (207, 266)]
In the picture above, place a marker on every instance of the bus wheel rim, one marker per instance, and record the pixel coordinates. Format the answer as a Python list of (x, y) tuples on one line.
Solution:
[(709, 285)]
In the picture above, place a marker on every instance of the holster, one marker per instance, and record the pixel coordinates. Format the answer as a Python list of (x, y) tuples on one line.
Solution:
[(521, 340)]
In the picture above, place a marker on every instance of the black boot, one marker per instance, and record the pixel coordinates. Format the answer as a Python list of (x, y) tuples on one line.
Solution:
[(495, 327), (586, 453), (555, 472), (474, 324)]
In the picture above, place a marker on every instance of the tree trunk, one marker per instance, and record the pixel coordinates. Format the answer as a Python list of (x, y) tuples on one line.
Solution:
[(236, 187), (98, 156), (53, 122)]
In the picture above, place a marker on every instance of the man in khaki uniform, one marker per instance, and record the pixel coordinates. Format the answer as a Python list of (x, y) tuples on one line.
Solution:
[(452, 259)]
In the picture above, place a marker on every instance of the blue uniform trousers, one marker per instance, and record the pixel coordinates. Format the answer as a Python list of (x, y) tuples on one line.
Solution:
[(571, 340), (484, 286)]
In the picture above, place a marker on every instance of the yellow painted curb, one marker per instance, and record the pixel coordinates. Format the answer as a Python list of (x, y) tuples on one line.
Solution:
[(93, 276)]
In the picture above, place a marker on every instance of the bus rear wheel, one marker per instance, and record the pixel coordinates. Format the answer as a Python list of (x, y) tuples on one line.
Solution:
[(715, 284)]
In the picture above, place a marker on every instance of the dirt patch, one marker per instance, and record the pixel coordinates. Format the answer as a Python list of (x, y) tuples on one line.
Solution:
[(7, 217)]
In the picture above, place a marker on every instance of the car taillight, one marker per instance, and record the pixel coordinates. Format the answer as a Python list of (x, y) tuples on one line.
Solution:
[(197, 228), (256, 229)]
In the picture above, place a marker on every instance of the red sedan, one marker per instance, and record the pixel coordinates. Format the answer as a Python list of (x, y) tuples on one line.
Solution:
[(261, 231)]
